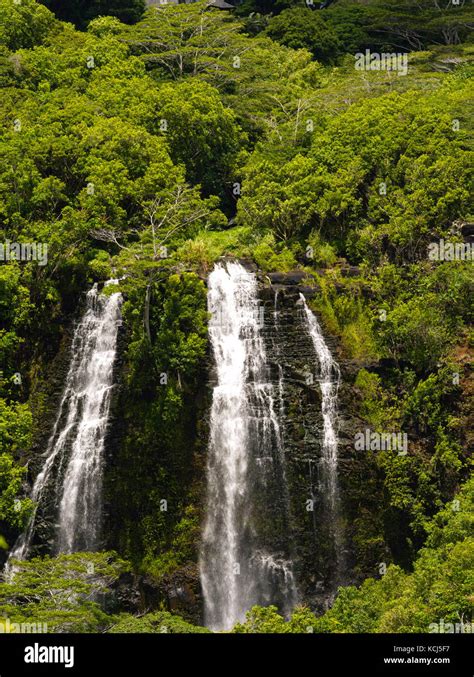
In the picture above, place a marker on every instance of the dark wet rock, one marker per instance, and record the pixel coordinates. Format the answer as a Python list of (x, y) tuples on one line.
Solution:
[(467, 229), (295, 277), (294, 371), (351, 271), (127, 594), (309, 292), (179, 591), (248, 264)]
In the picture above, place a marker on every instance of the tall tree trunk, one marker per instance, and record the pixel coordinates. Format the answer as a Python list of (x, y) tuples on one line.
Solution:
[(146, 312)]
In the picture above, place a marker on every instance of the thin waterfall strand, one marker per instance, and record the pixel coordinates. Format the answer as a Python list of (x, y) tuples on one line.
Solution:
[(329, 378), (75, 448)]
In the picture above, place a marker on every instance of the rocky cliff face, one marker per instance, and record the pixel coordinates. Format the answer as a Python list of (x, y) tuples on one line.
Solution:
[(295, 373)]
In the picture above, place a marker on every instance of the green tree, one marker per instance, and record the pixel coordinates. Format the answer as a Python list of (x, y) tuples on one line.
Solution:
[(302, 28), (62, 592), (157, 622), (24, 24), (416, 331), (201, 133), (80, 12)]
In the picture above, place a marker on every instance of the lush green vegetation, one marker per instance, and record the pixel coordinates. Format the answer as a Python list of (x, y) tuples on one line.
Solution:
[(381, 25), (65, 593), (437, 591), (159, 621), (80, 12), (146, 147)]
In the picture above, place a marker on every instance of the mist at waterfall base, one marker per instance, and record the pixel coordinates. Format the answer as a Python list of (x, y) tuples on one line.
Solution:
[(72, 472)]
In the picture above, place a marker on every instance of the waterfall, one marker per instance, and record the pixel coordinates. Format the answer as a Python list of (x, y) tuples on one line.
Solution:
[(244, 559), (329, 378), (74, 453)]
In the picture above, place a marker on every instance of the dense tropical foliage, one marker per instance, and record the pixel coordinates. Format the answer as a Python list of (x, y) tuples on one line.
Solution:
[(144, 145)]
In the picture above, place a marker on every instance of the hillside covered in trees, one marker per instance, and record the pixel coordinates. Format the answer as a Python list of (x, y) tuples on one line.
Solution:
[(143, 146)]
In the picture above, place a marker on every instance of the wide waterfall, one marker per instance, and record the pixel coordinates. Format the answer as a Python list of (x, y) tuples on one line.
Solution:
[(329, 378), (74, 454), (245, 557)]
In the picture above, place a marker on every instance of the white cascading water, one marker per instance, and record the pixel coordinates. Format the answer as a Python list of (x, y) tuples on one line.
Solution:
[(237, 569), (329, 378), (75, 448)]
